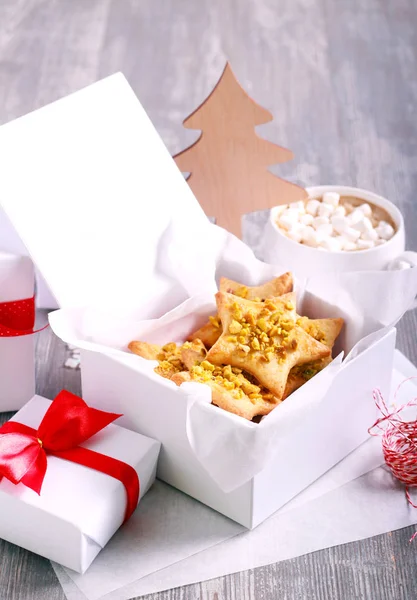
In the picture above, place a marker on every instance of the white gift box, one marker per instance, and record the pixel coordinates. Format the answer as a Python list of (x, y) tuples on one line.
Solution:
[(17, 353), (130, 241), (79, 509)]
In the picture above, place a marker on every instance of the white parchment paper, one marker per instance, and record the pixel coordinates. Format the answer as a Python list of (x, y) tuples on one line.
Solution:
[(354, 500)]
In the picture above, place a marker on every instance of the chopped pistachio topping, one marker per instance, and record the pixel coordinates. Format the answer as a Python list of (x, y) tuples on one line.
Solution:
[(267, 332), (309, 373), (231, 378), (242, 292), (235, 327), (306, 371), (215, 321), (170, 348), (311, 328), (169, 360)]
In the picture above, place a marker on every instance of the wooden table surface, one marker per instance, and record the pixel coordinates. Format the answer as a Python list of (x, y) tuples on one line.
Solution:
[(340, 78)]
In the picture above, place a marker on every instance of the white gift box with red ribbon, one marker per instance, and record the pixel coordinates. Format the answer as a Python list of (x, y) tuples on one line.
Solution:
[(79, 508), (17, 347), (127, 251)]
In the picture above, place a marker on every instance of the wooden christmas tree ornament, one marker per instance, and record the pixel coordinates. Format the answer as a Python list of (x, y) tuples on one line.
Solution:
[(228, 164)]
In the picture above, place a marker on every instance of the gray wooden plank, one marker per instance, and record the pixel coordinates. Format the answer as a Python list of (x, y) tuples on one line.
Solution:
[(340, 80)]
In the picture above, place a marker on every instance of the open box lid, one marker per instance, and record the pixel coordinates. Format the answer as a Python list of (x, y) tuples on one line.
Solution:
[(90, 188)]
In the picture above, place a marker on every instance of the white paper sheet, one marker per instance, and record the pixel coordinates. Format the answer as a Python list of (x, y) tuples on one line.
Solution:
[(168, 527), (336, 509), (371, 505), (108, 185)]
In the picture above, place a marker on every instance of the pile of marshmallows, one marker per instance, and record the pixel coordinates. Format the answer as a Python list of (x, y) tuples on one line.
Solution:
[(326, 225)]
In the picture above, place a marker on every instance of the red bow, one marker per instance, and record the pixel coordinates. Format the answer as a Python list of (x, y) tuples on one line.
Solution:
[(17, 317), (67, 423)]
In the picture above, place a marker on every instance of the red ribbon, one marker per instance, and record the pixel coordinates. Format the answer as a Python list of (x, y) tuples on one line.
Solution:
[(67, 423), (17, 317)]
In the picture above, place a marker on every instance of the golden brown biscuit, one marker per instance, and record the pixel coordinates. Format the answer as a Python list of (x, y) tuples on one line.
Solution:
[(145, 350), (168, 356), (231, 390), (263, 339), (211, 331), (193, 353), (323, 330), (260, 293)]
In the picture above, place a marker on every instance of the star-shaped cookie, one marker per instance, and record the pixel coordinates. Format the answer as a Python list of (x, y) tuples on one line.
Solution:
[(271, 289), (231, 388), (322, 330), (168, 356), (263, 338), (211, 331)]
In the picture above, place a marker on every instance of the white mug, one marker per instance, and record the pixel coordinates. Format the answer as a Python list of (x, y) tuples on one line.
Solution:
[(305, 261)]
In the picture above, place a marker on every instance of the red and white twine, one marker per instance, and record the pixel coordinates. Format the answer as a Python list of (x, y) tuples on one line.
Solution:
[(399, 441)]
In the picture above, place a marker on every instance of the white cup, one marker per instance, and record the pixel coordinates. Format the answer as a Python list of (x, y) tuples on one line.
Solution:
[(305, 261)]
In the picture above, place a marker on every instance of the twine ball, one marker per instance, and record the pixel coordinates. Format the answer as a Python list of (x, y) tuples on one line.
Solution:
[(399, 441)]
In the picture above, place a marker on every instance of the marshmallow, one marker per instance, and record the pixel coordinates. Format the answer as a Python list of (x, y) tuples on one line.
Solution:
[(280, 209), (364, 244), (333, 244), (366, 209), (331, 198), (370, 235), (288, 218), (292, 213), (325, 210), (298, 206), (355, 217), (340, 224), (325, 225), (306, 219), (340, 211), (349, 246), (325, 230), (309, 236), (320, 221), (351, 234), (385, 230), (363, 225), (294, 235), (295, 232), (312, 207)]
